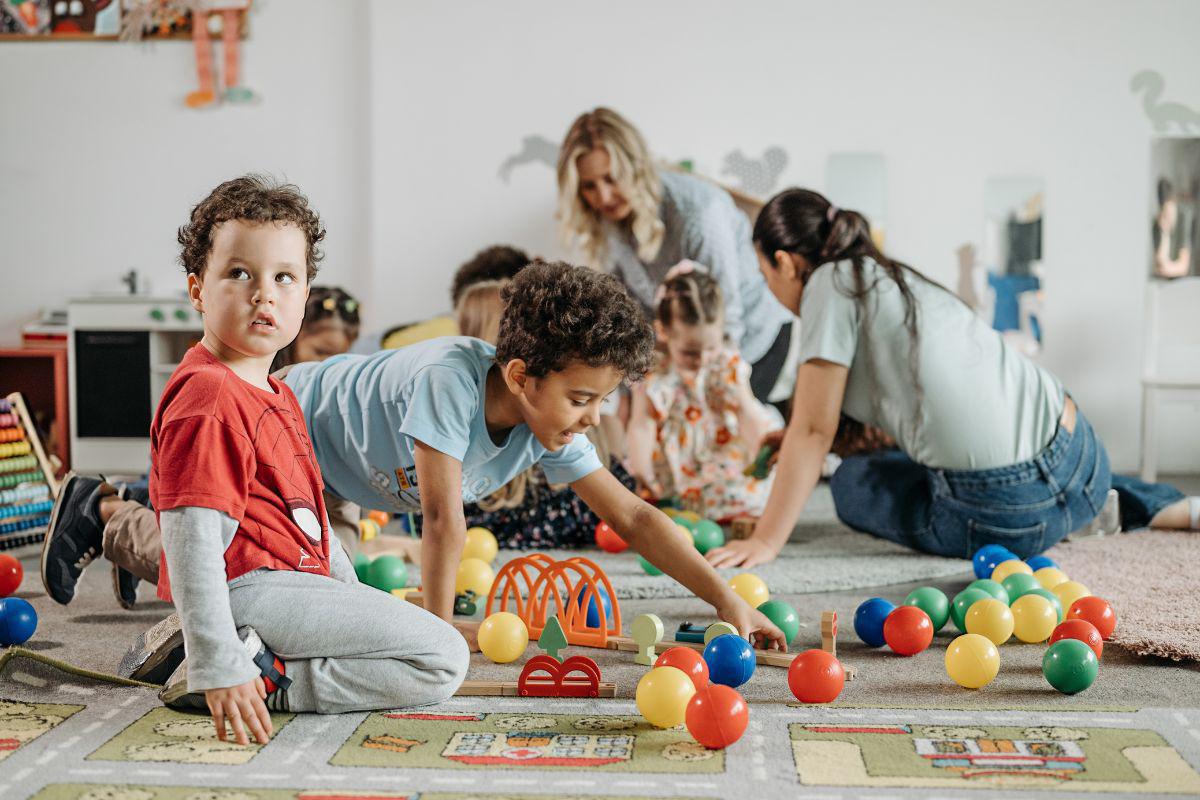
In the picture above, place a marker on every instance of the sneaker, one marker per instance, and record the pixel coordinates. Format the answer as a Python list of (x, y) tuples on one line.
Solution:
[(125, 585), (1107, 522), (175, 693), (155, 654), (74, 537)]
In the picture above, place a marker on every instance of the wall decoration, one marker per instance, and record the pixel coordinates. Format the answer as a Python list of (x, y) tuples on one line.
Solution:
[(1163, 115), (756, 176), (75, 18), (534, 150)]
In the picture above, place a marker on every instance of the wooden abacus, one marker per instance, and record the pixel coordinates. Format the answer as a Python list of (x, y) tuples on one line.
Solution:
[(27, 485)]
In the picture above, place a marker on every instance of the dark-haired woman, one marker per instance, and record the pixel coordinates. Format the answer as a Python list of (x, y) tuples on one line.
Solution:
[(992, 449)]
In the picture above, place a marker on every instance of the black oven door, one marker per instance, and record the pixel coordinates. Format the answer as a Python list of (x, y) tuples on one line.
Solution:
[(112, 383)]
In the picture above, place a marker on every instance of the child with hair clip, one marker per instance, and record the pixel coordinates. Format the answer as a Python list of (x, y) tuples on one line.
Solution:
[(695, 423)]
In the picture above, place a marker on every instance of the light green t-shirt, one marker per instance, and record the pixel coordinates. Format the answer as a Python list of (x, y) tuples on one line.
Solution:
[(984, 405)]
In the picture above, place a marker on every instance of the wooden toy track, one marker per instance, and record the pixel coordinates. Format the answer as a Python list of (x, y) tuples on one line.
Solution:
[(539, 587)]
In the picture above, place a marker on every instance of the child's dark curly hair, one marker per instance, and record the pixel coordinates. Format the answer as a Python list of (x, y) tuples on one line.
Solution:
[(556, 314), (494, 263), (253, 198)]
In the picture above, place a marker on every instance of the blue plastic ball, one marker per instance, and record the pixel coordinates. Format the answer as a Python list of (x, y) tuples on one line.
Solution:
[(1037, 562), (730, 660), (868, 620), (18, 621), (987, 557), (593, 613)]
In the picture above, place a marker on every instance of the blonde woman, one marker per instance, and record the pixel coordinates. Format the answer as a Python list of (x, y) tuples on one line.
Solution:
[(637, 221)]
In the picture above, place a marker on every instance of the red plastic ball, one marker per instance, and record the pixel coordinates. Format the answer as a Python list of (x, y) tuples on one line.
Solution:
[(608, 540), (1097, 611), (716, 716), (689, 662), (1082, 630), (907, 630), (816, 677), (11, 573)]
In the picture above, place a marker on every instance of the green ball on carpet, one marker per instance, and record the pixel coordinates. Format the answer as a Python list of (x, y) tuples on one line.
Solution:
[(784, 617), (991, 587), (1070, 666), (706, 534), (962, 603), (647, 567), (933, 602), (387, 572), (1018, 584), (361, 563)]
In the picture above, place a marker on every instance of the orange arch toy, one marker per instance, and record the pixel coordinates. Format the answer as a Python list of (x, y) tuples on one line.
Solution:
[(540, 587)]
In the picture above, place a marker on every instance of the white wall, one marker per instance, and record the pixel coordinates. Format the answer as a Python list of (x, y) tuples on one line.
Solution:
[(950, 94), (101, 162)]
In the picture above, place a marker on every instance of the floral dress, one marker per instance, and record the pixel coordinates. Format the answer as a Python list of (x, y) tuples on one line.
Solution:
[(699, 456)]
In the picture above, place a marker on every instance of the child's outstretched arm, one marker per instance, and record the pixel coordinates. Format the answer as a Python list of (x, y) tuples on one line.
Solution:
[(816, 409), (649, 532)]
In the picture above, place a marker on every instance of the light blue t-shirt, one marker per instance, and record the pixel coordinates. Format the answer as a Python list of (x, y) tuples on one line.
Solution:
[(364, 414)]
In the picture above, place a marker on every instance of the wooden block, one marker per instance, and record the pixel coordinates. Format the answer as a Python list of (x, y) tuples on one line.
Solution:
[(509, 689), (742, 527), (647, 634), (413, 596), (718, 629)]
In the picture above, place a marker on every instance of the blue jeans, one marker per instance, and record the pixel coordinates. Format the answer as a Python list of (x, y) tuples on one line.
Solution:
[(1026, 507)]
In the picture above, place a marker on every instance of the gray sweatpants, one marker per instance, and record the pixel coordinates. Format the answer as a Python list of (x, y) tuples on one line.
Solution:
[(348, 646)]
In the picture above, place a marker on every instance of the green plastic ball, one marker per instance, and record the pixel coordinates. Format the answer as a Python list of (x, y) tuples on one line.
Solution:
[(991, 587), (1018, 584), (387, 572), (706, 534), (962, 602), (933, 602), (647, 567), (1070, 666), (1041, 591), (361, 563), (784, 617)]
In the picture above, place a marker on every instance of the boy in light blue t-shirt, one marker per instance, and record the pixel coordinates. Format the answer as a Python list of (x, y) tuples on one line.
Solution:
[(439, 423)]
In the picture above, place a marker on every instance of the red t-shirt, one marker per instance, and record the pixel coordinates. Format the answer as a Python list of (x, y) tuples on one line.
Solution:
[(219, 442)]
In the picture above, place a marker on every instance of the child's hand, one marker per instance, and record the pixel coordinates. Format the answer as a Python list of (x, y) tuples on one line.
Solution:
[(753, 624), (470, 632), (241, 705), (741, 553)]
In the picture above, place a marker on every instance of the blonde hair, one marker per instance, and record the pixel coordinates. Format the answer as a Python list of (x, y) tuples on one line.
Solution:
[(632, 169), (479, 310)]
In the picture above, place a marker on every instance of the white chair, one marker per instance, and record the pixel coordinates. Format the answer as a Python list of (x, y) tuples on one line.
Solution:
[(1172, 359)]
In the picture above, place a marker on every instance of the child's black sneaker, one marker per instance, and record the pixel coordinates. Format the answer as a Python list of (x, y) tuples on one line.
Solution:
[(175, 693), (125, 585), (74, 537), (155, 654)]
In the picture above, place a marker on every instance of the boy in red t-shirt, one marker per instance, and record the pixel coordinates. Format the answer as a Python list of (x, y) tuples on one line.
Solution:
[(247, 554)]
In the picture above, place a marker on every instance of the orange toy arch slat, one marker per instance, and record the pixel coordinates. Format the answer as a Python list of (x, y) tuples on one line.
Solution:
[(512, 577)]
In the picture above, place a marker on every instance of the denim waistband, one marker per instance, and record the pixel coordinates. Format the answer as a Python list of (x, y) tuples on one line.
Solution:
[(1037, 468)]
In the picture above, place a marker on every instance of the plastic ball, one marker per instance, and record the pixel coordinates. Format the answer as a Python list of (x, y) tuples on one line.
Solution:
[(1097, 611), (716, 716), (1070, 591), (687, 661), (662, 696), (11, 574), (382, 518), (1040, 562), (987, 557), (908, 630), (991, 587), (685, 535), (608, 540), (18, 621), (593, 612), (1082, 630), (1018, 584), (647, 567), (730, 660), (474, 575), (503, 637), (972, 661), (480, 544), (750, 588), (868, 620), (933, 602), (1049, 577), (784, 617), (362, 567), (990, 618), (1034, 618), (688, 519), (816, 676), (1052, 597), (1010, 567), (707, 535), (1070, 666), (387, 572), (962, 603)]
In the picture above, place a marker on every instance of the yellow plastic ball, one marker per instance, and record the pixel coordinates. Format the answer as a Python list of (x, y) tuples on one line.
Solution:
[(1049, 577), (1070, 591), (685, 534), (480, 544), (368, 529), (662, 696), (690, 516), (972, 661), (750, 588), (991, 619), (1006, 568), (475, 575), (1034, 618), (503, 637)]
